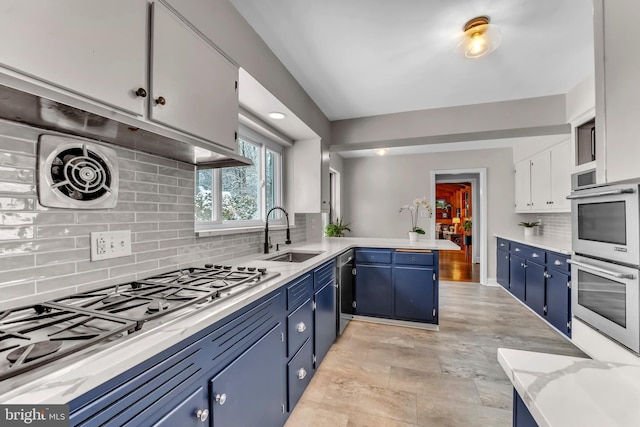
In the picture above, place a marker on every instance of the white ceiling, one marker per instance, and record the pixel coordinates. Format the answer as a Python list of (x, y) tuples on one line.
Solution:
[(359, 58)]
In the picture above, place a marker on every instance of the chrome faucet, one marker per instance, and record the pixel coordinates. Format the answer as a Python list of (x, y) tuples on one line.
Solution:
[(267, 243)]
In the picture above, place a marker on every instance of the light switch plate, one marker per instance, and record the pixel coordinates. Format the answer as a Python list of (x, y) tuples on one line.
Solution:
[(110, 244)]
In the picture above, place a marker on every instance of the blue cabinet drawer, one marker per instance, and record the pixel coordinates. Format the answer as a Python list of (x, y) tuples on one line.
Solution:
[(503, 244), (414, 258), (323, 274), (558, 261), (299, 327), (374, 256), (528, 252), (299, 291), (299, 372)]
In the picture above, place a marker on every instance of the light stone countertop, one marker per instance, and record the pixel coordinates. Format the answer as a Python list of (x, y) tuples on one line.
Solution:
[(62, 381), (564, 391), (543, 242)]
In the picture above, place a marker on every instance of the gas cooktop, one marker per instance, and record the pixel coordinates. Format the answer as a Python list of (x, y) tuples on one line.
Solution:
[(36, 335)]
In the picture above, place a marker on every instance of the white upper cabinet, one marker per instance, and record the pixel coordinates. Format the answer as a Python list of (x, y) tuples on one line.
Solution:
[(193, 87), (543, 181), (94, 48), (523, 186), (617, 70)]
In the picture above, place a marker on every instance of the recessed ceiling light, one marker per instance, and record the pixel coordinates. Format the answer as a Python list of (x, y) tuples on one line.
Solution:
[(277, 115), (381, 151)]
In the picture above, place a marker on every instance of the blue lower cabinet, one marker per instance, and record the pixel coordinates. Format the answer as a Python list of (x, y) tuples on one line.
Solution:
[(191, 412), (502, 268), (414, 293), (250, 391), (534, 282), (299, 373), (521, 415), (324, 321), (374, 290), (559, 301), (517, 276), (299, 327)]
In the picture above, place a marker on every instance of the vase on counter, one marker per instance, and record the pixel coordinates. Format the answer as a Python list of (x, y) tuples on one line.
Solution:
[(413, 236), (529, 231)]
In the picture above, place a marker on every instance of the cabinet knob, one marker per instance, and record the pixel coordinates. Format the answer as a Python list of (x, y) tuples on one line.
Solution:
[(141, 92), (535, 255), (557, 262), (221, 398), (301, 327), (517, 249), (202, 414), (302, 373), (160, 100)]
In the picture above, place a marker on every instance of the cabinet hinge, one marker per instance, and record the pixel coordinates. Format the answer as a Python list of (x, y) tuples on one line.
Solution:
[(236, 85), (314, 306), (282, 336), (235, 136), (569, 325), (314, 359), (434, 276), (353, 271), (353, 304), (544, 309), (283, 408), (569, 284), (434, 312)]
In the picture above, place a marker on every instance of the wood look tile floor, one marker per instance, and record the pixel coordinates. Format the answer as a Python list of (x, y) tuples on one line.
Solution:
[(390, 376)]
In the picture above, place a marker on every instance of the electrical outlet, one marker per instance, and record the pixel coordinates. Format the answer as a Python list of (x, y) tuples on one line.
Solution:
[(110, 244)]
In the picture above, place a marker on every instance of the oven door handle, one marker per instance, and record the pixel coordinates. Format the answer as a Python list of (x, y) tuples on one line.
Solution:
[(602, 193), (601, 270)]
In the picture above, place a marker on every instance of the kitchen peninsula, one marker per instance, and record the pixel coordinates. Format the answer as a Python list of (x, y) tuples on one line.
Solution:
[(83, 378)]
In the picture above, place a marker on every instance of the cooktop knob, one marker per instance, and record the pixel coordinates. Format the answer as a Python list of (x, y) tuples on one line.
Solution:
[(251, 269), (262, 270), (208, 266), (227, 267), (241, 268)]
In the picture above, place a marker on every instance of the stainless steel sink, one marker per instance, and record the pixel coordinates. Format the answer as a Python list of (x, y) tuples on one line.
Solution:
[(292, 256)]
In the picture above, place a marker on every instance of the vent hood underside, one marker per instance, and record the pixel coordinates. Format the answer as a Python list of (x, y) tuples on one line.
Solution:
[(23, 107)]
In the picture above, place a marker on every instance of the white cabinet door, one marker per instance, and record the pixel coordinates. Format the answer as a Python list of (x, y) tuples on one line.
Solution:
[(617, 88), (541, 182), (194, 88), (561, 166), (523, 186), (94, 48)]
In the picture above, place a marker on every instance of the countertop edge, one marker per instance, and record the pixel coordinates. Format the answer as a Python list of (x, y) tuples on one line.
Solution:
[(542, 242)]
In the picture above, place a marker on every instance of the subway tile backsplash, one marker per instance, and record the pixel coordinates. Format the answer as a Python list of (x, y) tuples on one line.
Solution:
[(45, 253), (556, 225)]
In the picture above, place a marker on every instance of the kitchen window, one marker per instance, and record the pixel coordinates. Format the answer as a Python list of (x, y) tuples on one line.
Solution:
[(241, 196)]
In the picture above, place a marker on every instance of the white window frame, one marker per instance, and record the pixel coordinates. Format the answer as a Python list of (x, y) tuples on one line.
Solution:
[(217, 223)]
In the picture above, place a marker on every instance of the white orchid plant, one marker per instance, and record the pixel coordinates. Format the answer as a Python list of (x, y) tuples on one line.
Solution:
[(414, 210)]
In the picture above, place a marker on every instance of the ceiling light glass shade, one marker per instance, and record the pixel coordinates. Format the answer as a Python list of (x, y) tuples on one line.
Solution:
[(277, 115), (479, 38)]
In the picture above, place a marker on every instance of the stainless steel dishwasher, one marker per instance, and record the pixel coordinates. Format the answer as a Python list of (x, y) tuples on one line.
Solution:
[(344, 275)]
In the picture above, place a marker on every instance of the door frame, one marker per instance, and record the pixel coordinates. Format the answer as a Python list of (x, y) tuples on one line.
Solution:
[(480, 203)]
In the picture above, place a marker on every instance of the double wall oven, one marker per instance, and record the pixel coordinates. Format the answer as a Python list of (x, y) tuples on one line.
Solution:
[(605, 267)]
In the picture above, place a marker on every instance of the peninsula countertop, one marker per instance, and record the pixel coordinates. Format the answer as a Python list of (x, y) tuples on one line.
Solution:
[(70, 377), (564, 391)]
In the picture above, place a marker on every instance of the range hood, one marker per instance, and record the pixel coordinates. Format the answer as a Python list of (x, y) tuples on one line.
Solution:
[(43, 113)]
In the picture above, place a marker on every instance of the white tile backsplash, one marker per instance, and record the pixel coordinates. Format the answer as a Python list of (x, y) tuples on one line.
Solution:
[(45, 252), (556, 225)]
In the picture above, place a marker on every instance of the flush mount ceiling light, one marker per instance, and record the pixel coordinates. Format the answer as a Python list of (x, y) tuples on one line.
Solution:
[(277, 115), (479, 38), (381, 151)]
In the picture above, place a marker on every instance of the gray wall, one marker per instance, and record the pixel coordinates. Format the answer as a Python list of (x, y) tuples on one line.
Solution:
[(45, 252), (376, 187)]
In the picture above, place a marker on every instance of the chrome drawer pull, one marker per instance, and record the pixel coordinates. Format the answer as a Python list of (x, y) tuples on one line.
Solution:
[(221, 398), (557, 262), (301, 327), (535, 255), (302, 373), (203, 414), (517, 249)]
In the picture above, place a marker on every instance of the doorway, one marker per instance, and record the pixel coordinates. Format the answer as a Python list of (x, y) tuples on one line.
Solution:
[(459, 198)]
